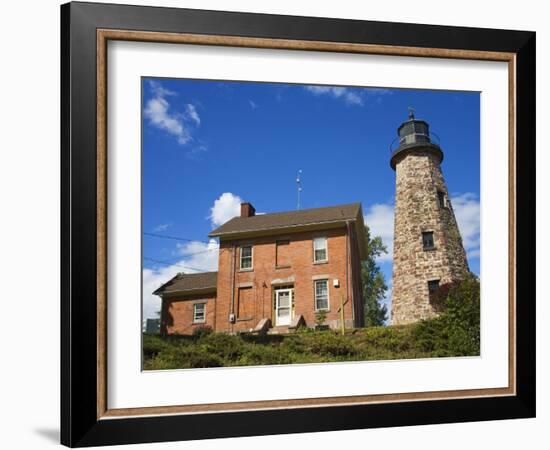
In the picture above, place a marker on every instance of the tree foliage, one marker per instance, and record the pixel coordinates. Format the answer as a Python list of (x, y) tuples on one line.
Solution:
[(456, 331), (374, 284)]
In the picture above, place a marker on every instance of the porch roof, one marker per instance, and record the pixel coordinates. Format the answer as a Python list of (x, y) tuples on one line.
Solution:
[(189, 283)]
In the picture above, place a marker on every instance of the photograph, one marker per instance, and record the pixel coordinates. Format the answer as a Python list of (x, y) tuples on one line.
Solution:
[(293, 222), (299, 224)]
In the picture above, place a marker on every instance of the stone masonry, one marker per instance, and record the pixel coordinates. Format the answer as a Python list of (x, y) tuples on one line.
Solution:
[(422, 204)]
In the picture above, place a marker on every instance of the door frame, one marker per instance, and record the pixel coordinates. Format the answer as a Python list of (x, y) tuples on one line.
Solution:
[(290, 290)]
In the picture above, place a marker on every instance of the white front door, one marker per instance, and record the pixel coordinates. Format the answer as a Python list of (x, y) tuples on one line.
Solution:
[(283, 306)]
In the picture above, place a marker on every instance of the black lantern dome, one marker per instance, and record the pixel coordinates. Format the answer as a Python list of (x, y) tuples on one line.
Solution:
[(414, 135)]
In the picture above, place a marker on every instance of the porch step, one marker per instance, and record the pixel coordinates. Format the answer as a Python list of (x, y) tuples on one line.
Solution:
[(263, 326), (281, 329), (297, 322)]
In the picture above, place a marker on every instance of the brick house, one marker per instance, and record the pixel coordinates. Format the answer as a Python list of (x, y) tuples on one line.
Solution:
[(274, 271)]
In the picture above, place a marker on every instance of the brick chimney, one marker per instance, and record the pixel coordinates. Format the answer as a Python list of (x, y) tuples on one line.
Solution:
[(247, 210)]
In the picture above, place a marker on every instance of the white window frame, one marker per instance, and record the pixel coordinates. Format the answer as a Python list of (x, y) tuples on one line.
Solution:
[(324, 280), (195, 320), (315, 260), (241, 257)]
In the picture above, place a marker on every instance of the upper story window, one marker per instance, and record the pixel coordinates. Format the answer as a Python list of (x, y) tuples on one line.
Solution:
[(246, 257), (199, 313), (428, 240), (320, 250), (441, 199), (321, 295), (282, 254)]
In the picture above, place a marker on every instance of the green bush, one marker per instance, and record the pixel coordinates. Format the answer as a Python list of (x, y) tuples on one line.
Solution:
[(462, 317), (224, 345), (180, 357), (257, 355), (202, 331), (153, 345), (293, 344), (320, 318), (456, 332), (330, 344)]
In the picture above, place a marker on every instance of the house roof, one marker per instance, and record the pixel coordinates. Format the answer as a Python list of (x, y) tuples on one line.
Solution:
[(189, 283), (304, 219), (339, 213)]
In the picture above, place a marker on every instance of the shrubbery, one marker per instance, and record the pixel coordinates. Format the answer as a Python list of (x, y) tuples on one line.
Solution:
[(455, 332), (330, 345), (202, 331)]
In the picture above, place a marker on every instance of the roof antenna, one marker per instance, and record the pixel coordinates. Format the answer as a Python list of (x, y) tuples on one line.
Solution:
[(411, 113), (299, 184)]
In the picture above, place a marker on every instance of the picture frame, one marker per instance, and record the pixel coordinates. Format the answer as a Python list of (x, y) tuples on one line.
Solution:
[(86, 418)]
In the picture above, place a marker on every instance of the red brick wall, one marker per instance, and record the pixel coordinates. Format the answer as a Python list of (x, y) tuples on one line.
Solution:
[(245, 305), (177, 313), (302, 268)]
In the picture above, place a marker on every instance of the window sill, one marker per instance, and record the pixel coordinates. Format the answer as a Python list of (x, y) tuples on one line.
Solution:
[(288, 266), (322, 310), (246, 270), (199, 323), (431, 249), (320, 262)]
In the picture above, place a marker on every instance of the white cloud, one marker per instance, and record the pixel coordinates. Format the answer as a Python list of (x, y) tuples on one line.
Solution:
[(157, 112), (196, 151), (162, 227), (160, 113), (377, 92), (252, 104), (153, 279), (379, 219), (349, 96), (198, 256), (195, 257), (387, 300), (225, 207), (159, 90), (467, 212), (192, 113)]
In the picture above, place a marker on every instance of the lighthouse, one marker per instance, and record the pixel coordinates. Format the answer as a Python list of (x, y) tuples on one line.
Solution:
[(428, 250)]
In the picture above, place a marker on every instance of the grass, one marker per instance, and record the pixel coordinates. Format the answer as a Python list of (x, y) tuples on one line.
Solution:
[(223, 350)]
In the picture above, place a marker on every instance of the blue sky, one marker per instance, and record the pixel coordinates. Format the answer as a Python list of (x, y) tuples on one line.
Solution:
[(207, 145)]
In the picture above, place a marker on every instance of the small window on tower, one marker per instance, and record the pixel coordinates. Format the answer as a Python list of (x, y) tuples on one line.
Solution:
[(433, 286), (428, 240), (442, 199)]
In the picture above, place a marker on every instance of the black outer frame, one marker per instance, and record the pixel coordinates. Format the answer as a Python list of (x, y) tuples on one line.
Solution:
[(79, 424)]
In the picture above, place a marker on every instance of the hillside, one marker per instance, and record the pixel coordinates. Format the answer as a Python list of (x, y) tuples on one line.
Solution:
[(222, 350)]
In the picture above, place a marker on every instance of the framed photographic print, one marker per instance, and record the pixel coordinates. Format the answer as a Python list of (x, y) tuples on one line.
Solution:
[(277, 224)]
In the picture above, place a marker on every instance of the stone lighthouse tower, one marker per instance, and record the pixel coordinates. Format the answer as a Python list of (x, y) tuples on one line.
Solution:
[(428, 250)]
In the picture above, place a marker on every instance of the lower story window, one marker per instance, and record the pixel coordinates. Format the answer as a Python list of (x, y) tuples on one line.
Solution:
[(199, 312), (433, 286), (321, 295)]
